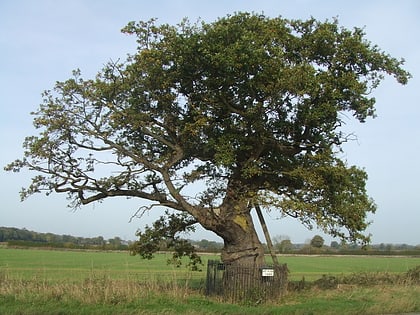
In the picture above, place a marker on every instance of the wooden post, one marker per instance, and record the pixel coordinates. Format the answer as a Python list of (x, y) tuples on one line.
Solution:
[(267, 235)]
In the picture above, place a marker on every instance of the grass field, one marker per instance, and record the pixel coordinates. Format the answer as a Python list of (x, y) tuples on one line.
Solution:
[(77, 265), (71, 282)]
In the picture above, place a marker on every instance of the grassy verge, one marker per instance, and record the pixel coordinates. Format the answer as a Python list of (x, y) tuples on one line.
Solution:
[(107, 296)]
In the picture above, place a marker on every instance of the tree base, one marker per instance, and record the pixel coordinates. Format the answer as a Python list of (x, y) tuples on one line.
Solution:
[(246, 283)]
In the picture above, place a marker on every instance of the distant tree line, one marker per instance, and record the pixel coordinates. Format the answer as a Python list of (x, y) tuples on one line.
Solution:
[(282, 244), (316, 245), (207, 246), (24, 237)]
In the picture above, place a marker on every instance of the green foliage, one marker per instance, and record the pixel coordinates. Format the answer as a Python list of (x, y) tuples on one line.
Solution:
[(317, 241), (284, 246), (207, 117), (164, 235)]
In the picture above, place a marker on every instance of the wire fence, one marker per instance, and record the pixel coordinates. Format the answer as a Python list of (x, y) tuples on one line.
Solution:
[(245, 283)]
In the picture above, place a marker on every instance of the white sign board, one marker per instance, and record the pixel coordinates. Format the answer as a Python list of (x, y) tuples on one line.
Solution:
[(268, 272)]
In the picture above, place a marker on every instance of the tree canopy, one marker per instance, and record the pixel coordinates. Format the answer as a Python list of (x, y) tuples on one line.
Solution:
[(317, 241), (211, 119)]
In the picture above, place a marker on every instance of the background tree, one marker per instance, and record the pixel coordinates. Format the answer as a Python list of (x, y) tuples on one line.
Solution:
[(212, 119), (285, 246), (282, 243), (317, 241), (334, 245)]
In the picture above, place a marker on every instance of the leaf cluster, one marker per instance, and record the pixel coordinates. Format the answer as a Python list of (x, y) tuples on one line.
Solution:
[(164, 234)]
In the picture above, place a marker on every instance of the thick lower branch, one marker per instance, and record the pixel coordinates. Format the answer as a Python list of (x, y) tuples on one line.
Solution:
[(161, 198)]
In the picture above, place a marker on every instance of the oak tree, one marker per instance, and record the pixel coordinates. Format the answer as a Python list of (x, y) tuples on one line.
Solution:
[(213, 119)]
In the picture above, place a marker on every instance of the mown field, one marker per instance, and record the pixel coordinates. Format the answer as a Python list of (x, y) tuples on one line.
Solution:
[(83, 282), (77, 265)]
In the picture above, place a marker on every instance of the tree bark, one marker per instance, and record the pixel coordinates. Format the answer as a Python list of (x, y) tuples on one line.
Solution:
[(241, 244)]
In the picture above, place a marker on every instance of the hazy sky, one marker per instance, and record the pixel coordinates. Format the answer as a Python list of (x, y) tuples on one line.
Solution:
[(42, 41)]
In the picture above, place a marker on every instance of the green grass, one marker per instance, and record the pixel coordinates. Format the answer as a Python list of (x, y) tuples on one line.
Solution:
[(77, 265), (82, 282), (53, 265), (313, 267)]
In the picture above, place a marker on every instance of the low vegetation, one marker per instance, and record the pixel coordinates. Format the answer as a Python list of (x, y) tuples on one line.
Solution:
[(103, 295)]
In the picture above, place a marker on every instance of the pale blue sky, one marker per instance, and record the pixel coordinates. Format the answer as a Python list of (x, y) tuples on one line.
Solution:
[(43, 41)]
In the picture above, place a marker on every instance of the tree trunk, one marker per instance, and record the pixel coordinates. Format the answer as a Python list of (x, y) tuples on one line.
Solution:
[(243, 258), (241, 244)]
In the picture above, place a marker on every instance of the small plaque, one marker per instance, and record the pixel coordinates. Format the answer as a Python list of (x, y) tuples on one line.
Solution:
[(268, 272)]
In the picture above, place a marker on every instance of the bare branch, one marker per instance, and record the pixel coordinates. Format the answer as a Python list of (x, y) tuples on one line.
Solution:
[(142, 210)]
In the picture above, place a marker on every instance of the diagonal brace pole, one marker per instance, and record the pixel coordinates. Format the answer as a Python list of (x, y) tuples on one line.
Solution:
[(266, 234)]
